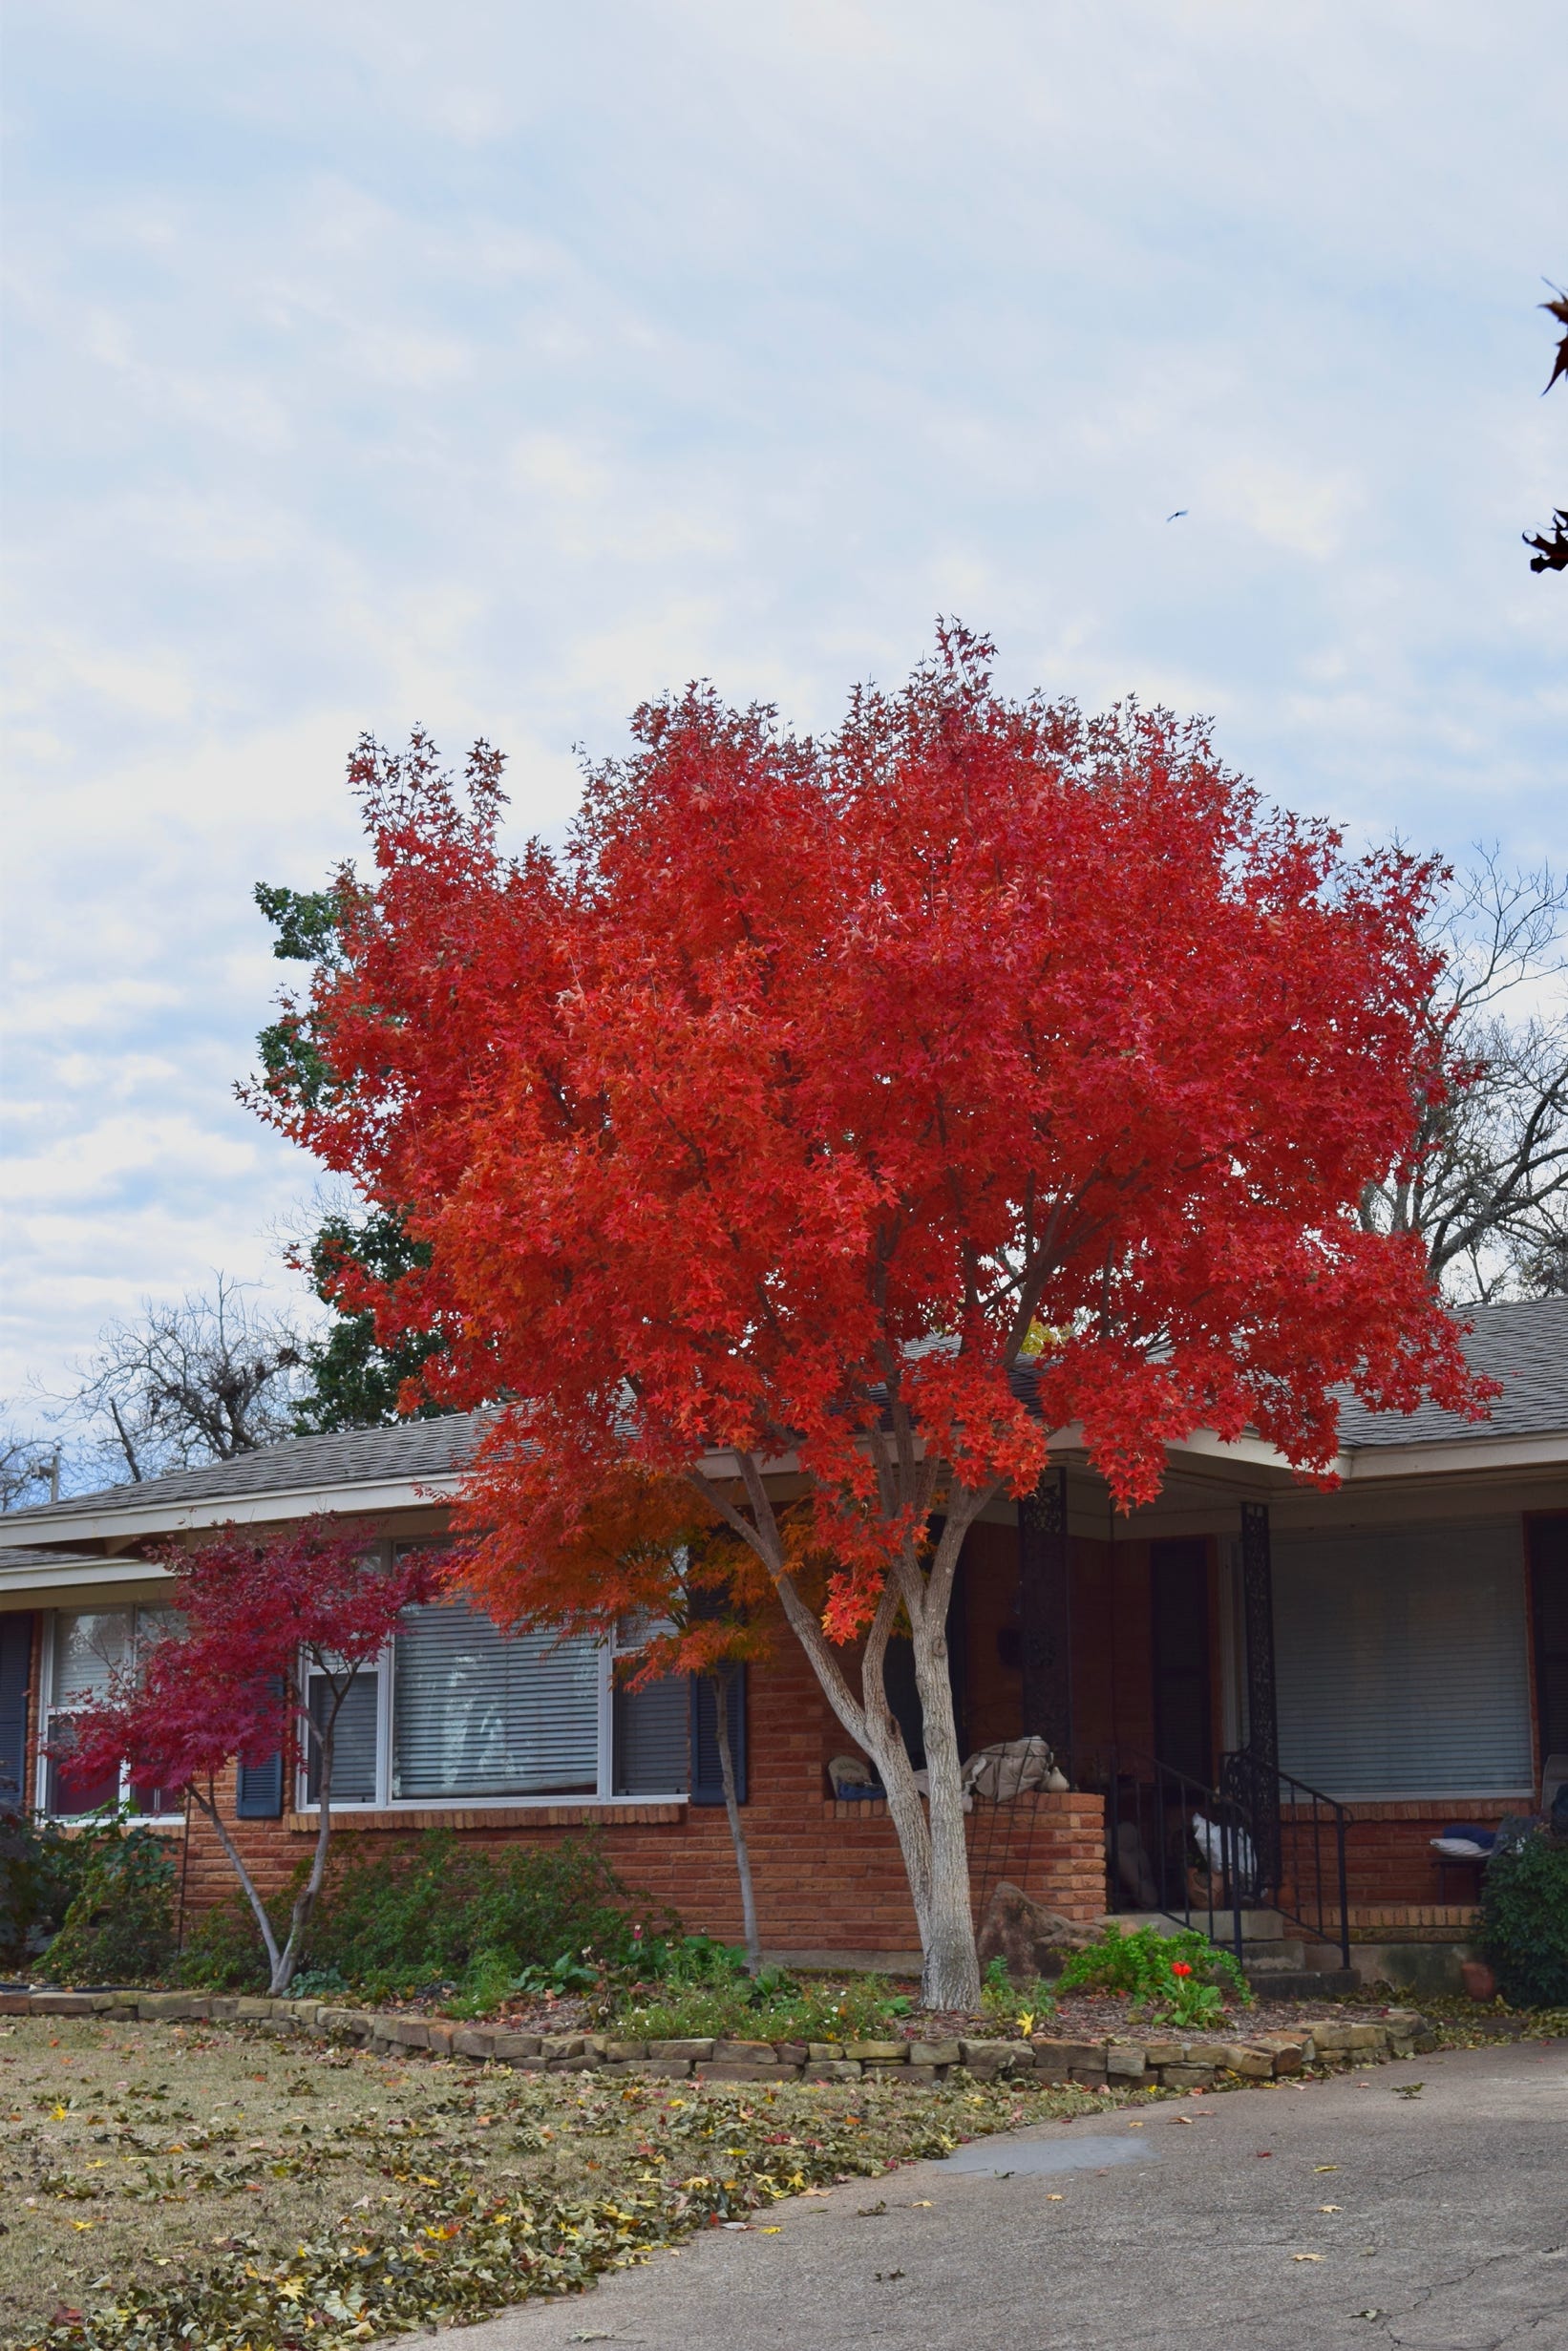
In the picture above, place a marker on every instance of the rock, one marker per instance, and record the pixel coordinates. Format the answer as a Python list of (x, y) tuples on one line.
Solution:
[(934, 2053), (1124, 2057), (744, 2053), (689, 2049), (474, 2044), (877, 2052), (1186, 2077), (998, 2056), (621, 2052), (721, 2070), (1030, 1939)]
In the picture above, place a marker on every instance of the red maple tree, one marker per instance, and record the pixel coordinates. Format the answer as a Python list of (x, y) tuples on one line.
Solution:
[(834, 1119), (261, 1626)]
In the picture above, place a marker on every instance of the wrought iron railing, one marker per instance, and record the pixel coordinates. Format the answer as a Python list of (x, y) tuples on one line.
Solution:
[(1299, 1836), (1156, 1819)]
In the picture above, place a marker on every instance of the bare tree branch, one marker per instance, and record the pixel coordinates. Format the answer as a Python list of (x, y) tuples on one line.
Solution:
[(1488, 1191), (203, 1381)]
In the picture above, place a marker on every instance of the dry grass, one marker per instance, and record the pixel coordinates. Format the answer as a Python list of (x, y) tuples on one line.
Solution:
[(163, 2177)]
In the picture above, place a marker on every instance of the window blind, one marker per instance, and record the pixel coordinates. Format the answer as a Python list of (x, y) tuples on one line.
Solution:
[(653, 1738), (90, 1646), (353, 1740), (479, 1713), (1402, 1661)]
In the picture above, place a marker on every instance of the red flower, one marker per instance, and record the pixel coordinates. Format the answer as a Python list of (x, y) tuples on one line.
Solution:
[(1180, 1967)]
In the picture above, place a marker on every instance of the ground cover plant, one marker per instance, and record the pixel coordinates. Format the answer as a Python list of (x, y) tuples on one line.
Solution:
[(1182, 1980), (170, 2187)]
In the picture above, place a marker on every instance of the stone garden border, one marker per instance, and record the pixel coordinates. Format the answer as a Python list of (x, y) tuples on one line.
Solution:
[(1166, 2060)]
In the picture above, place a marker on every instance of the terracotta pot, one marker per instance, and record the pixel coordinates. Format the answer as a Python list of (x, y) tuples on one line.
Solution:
[(1479, 1980)]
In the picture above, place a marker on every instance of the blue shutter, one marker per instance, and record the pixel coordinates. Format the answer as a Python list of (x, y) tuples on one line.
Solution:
[(15, 1673), (258, 1787), (706, 1775)]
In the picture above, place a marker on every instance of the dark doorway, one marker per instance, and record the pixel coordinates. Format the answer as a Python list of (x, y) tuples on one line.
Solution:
[(1179, 1582), (1549, 1596)]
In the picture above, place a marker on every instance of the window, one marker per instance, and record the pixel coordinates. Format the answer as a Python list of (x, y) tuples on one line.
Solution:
[(459, 1712), (477, 1713), (88, 1648), (1401, 1662)]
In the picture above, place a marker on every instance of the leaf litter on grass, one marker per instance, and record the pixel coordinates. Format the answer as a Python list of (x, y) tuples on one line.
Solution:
[(227, 2211)]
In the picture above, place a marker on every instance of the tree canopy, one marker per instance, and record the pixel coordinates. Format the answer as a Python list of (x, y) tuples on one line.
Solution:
[(876, 1105)]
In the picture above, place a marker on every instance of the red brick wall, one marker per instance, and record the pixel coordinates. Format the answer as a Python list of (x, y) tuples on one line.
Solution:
[(828, 1876), (1389, 1855)]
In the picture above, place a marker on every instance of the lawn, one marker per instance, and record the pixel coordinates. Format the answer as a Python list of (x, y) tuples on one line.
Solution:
[(170, 2186)]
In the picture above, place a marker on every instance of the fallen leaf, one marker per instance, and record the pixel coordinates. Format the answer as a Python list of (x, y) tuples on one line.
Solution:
[(886, 2277), (1264, 2153), (1328, 2208), (1326, 2167), (1054, 2199), (774, 2232), (921, 2204), (1306, 2256), (1368, 2313)]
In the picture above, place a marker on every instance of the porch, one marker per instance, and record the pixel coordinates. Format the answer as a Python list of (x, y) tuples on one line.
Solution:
[(1281, 1697)]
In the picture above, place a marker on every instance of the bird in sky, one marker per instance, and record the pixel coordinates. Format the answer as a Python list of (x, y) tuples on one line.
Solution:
[(1176, 516)]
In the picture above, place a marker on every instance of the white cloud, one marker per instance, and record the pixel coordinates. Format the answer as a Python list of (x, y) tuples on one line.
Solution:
[(500, 367)]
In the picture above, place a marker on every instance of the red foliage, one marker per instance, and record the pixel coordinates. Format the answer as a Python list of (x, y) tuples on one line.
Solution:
[(816, 1075), (225, 1686)]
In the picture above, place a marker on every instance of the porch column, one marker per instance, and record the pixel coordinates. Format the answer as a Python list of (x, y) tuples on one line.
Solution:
[(1262, 1755), (1045, 1613), (1258, 1616)]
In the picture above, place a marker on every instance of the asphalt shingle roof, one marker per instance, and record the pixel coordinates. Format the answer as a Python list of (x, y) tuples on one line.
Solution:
[(1523, 1344), (413, 1449)]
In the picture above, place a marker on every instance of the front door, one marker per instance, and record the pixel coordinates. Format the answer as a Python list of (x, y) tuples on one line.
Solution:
[(1179, 1580)]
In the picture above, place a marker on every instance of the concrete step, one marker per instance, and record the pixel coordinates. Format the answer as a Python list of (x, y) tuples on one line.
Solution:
[(1257, 1926), (1304, 1983), (1287, 1951)]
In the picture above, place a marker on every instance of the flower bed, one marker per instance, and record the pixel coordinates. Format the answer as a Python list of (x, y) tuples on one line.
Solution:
[(1147, 2056)]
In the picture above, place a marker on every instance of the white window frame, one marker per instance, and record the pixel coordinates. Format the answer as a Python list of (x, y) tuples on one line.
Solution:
[(384, 1801), (48, 1706)]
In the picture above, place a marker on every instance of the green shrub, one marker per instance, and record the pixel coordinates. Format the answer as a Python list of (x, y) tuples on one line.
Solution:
[(41, 1873), (444, 1913), (1524, 1920), (1144, 1966), (224, 1951), (119, 1927)]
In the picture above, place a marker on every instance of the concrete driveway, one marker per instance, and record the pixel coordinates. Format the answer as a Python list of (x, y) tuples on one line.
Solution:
[(1328, 2218)]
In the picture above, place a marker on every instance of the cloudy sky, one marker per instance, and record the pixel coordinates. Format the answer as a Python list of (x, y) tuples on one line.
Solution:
[(495, 366)]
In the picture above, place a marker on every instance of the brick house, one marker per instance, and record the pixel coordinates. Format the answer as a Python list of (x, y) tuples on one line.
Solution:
[(1327, 1681)]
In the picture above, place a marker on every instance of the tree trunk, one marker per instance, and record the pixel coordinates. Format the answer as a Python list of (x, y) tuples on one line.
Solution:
[(305, 1901), (720, 1683), (931, 1834)]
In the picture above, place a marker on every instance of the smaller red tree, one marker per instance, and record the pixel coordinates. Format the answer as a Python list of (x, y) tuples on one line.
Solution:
[(260, 1620)]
